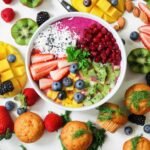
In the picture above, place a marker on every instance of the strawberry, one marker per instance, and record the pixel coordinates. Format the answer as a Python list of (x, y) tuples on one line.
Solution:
[(8, 14), (145, 39), (145, 29), (53, 122), (145, 9), (37, 58), (64, 63), (58, 74), (6, 124), (35, 51), (7, 1), (28, 98), (45, 83)]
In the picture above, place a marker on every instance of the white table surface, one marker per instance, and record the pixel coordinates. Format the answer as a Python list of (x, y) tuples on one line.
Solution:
[(50, 141)]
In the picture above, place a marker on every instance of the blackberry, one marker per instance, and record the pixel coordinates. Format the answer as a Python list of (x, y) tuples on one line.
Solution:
[(148, 78), (42, 17), (137, 119), (5, 87)]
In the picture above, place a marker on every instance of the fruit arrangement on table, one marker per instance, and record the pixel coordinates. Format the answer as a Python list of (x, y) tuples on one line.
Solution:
[(73, 74)]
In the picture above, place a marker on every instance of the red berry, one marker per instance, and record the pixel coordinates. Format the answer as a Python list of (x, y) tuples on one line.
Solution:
[(7, 1), (8, 14), (53, 122)]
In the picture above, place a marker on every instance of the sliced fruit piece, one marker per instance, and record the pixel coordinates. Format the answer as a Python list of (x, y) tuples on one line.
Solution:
[(38, 75), (109, 19), (59, 73), (37, 58), (7, 75), (2, 53), (18, 62), (145, 39), (45, 83), (104, 5), (31, 3), (97, 11), (4, 65), (22, 80), (52, 94), (19, 71), (114, 13), (145, 29), (145, 9), (23, 30), (64, 63), (121, 5)]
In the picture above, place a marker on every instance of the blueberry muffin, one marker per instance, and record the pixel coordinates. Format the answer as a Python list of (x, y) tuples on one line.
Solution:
[(29, 127), (111, 117)]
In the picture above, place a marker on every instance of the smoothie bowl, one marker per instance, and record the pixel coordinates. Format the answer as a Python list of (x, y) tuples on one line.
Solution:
[(76, 61)]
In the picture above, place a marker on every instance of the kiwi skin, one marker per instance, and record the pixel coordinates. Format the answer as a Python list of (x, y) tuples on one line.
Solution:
[(29, 6)]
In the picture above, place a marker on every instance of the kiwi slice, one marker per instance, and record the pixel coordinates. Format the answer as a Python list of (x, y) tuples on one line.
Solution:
[(31, 3), (23, 30)]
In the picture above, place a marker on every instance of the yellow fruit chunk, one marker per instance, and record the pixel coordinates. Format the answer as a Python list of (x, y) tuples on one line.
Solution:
[(104, 5), (58, 101), (97, 11), (11, 50), (7, 75), (70, 95), (78, 4), (52, 94), (19, 71), (109, 19), (72, 75), (18, 62), (114, 13), (4, 65), (121, 5), (71, 88), (22, 80), (2, 53)]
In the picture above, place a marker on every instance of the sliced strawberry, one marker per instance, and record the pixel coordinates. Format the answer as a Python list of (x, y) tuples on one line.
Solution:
[(145, 9), (45, 83), (36, 51), (37, 58), (42, 66), (64, 63), (43, 73), (145, 29), (145, 39), (58, 74), (62, 56)]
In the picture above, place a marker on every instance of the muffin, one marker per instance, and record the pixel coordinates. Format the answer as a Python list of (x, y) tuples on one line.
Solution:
[(29, 127), (137, 143), (76, 136), (137, 99), (111, 117)]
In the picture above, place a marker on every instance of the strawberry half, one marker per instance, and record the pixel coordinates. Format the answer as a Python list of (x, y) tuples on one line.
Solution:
[(145, 39), (45, 83), (64, 63), (145, 29), (145, 9), (6, 124), (58, 74), (37, 58)]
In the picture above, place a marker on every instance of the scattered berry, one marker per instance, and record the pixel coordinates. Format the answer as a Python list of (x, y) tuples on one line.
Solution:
[(62, 95), (11, 58), (114, 2), (73, 68), (80, 84), (56, 86), (7, 1), (42, 17), (148, 78), (67, 81), (137, 119), (79, 97), (128, 130), (87, 3), (10, 105), (8, 14), (21, 110), (134, 35), (123, 41), (53, 122), (147, 128)]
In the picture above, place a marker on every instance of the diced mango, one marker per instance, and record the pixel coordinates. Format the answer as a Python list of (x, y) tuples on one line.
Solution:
[(7, 75), (71, 88), (18, 62), (114, 13), (72, 75), (3, 53), (52, 94), (4, 65), (22, 80), (19, 71), (70, 95), (121, 5), (97, 11), (109, 19), (77, 78), (11, 50), (104, 5)]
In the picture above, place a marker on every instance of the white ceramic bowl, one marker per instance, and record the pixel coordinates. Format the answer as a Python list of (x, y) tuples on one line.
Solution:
[(123, 62)]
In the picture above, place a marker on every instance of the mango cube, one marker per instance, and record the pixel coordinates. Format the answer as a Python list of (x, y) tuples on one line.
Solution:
[(103, 5), (52, 94), (7, 75), (4, 65), (71, 88), (18, 62), (114, 13), (19, 71), (109, 19), (97, 11), (22, 80), (121, 5), (2, 53)]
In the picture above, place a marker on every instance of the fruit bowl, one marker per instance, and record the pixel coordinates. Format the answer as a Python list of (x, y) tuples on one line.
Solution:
[(72, 40)]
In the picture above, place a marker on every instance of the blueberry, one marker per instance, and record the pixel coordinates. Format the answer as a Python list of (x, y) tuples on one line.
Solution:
[(114, 2), (134, 35), (62, 95), (148, 78), (128, 130), (10, 105), (56, 86), (87, 3), (74, 68), (11, 58), (79, 97), (80, 84), (21, 110), (123, 41), (67, 81), (147, 128)]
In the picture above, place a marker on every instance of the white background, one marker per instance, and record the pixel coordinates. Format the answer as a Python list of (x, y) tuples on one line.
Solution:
[(50, 141)]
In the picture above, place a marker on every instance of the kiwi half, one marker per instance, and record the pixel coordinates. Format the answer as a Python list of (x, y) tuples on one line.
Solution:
[(23, 30), (31, 3)]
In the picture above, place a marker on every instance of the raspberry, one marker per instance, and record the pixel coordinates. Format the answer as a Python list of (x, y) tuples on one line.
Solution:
[(8, 14), (7, 1)]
